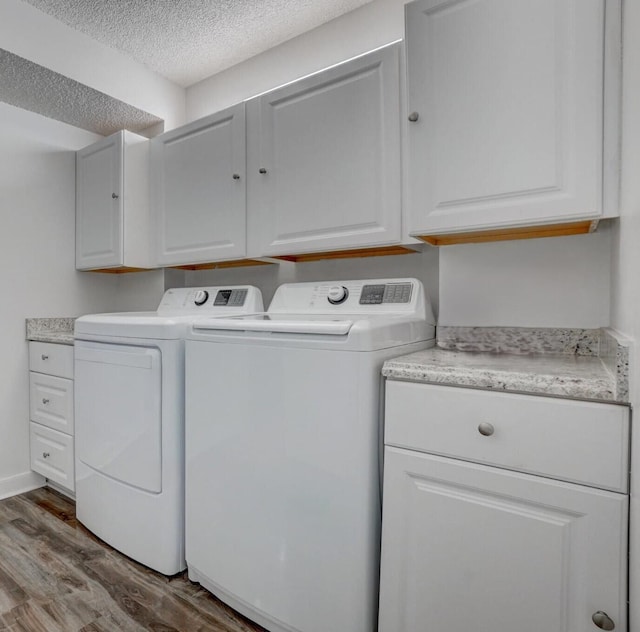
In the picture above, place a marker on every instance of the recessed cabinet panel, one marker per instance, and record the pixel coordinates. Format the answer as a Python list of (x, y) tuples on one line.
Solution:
[(324, 160), (505, 112), (52, 455), (52, 359), (198, 190), (468, 547), (99, 204), (51, 401)]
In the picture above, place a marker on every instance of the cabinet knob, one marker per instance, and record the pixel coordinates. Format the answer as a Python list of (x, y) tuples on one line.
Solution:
[(44, 356), (236, 176), (262, 170), (602, 620), (46, 455), (45, 400), (115, 196), (486, 429), (413, 117)]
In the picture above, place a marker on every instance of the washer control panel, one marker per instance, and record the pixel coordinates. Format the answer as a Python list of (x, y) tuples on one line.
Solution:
[(398, 296), (230, 298), (385, 293)]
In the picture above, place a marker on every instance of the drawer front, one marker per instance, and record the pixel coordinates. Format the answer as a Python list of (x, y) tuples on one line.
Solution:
[(52, 359), (581, 442), (52, 455), (51, 401)]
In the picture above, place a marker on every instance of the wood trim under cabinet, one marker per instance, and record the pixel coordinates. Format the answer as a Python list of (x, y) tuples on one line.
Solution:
[(238, 263), (347, 254), (505, 234), (119, 270)]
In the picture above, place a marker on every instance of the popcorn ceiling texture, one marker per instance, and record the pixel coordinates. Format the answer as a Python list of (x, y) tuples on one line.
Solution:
[(23, 84), (188, 40)]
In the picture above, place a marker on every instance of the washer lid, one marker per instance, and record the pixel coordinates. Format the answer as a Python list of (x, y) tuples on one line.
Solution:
[(281, 323)]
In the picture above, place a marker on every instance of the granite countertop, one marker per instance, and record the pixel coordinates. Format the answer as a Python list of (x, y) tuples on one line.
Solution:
[(56, 330), (591, 373)]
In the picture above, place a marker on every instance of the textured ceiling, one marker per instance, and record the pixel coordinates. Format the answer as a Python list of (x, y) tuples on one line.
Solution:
[(188, 40), (33, 87)]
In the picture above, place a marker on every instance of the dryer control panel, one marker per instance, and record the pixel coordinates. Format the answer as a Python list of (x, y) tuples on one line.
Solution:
[(210, 301)]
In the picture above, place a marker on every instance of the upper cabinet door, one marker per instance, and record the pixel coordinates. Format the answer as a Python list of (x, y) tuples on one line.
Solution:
[(99, 204), (198, 190), (324, 160), (505, 113)]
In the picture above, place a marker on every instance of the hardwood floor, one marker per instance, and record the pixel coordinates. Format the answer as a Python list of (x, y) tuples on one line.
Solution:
[(55, 576)]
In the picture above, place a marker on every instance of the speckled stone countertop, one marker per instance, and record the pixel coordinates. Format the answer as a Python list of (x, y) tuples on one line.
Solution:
[(572, 365), (56, 330)]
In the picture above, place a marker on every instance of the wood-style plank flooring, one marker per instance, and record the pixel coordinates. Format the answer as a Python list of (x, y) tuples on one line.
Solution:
[(55, 576)]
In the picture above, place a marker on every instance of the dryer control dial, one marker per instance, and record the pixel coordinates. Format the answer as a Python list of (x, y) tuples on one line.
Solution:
[(337, 294), (201, 297)]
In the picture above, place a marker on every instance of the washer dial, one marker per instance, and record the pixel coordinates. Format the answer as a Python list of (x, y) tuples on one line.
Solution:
[(337, 294), (201, 297)]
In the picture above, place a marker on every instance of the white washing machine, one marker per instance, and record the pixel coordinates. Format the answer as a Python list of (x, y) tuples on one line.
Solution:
[(283, 443), (129, 421)]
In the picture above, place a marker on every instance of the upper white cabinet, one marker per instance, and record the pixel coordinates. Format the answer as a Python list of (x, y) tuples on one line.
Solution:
[(112, 208), (324, 160), (198, 190), (506, 116)]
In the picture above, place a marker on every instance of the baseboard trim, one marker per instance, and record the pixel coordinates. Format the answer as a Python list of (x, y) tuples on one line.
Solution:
[(20, 483)]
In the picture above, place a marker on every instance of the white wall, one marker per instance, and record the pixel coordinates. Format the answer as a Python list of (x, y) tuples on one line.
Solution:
[(373, 25), (554, 282), (625, 271), (36, 36), (37, 267)]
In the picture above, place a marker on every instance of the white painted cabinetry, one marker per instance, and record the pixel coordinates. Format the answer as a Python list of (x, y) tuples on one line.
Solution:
[(324, 160), (506, 116), (198, 190), (112, 208), (471, 546), (51, 412)]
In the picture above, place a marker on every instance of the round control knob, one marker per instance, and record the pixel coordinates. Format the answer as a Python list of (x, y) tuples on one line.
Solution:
[(337, 294), (201, 297)]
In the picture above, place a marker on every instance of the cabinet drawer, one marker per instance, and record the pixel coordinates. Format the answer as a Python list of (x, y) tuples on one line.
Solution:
[(51, 401), (52, 359), (581, 442), (52, 455)]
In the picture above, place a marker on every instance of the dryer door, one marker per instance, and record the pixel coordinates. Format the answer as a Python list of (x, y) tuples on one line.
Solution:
[(118, 412)]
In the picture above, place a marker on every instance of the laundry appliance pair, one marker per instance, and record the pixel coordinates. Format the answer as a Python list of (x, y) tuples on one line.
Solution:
[(276, 470)]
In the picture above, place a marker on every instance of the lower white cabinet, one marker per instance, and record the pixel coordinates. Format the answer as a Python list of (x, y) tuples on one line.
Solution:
[(468, 546), (51, 412), (52, 455)]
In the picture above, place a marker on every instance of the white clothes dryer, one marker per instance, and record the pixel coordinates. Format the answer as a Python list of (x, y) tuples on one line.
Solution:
[(129, 421), (283, 441)]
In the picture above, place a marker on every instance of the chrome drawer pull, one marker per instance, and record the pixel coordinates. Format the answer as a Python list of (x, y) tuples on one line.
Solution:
[(602, 620), (44, 357), (45, 400), (486, 429), (46, 455)]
